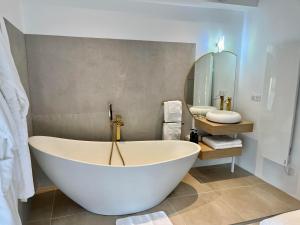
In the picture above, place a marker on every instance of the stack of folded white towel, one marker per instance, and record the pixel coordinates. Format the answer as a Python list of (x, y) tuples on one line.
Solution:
[(222, 141), (172, 120)]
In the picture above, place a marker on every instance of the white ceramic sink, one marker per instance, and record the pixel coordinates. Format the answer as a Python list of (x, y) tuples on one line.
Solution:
[(222, 116), (201, 110)]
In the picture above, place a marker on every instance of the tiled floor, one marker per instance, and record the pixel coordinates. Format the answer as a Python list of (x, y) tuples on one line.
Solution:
[(206, 196)]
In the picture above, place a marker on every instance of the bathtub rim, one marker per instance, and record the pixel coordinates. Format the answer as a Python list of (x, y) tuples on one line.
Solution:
[(116, 166)]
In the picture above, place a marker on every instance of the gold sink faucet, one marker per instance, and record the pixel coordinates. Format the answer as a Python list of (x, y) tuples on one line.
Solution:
[(228, 103)]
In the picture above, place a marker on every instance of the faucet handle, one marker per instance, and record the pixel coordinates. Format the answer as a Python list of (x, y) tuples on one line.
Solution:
[(119, 120)]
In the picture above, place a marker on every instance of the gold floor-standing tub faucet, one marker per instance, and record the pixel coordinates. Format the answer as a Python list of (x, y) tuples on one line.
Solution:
[(117, 123)]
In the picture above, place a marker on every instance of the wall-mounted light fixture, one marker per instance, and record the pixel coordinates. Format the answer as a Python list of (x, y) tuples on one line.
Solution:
[(221, 44)]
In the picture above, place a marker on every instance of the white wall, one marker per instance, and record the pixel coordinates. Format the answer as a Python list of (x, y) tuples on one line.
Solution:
[(12, 10), (274, 21), (173, 24)]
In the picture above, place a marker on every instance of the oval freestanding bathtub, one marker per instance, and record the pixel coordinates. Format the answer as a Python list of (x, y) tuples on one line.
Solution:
[(80, 169)]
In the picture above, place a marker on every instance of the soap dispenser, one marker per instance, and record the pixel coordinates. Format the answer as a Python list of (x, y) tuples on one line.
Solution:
[(194, 136), (221, 102)]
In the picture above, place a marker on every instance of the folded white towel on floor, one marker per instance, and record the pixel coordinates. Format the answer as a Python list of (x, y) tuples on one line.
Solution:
[(172, 111), (222, 141), (290, 218), (171, 131), (157, 218)]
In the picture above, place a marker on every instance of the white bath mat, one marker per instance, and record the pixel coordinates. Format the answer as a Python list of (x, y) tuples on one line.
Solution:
[(290, 218), (157, 218)]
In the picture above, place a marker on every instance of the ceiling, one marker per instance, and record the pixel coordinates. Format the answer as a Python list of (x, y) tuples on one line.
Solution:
[(186, 10), (125, 4), (202, 3)]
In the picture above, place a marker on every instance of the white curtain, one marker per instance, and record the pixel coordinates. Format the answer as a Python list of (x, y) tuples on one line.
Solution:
[(15, 165)]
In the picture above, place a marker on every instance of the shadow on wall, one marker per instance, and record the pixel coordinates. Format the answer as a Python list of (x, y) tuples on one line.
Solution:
[(248, 159)]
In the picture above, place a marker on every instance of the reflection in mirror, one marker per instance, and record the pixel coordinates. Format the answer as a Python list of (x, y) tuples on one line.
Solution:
[(211, 82)]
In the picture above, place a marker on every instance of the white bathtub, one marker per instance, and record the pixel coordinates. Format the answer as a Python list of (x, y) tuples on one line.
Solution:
[(80, 169)]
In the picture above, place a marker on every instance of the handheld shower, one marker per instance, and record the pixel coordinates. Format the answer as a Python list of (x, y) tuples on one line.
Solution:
[(110, 114)]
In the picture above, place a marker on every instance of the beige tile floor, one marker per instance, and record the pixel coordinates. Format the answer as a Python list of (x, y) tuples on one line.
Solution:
[(206, 196)]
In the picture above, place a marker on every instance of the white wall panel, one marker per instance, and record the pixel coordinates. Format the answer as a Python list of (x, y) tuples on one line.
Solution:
[(279, 101)]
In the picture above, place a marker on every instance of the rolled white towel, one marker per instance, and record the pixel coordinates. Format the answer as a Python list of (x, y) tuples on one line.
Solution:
[(173, 111), (201, 110), (222, 141)]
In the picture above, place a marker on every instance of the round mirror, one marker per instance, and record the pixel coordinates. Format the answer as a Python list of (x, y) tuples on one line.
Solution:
[(211, 83)]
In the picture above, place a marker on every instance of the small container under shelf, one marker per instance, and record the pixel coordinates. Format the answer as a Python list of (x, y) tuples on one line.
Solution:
[(223, 129), (209, 153)]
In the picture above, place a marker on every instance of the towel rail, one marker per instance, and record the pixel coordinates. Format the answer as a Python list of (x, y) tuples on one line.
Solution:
[(182, 123), (162, 103)]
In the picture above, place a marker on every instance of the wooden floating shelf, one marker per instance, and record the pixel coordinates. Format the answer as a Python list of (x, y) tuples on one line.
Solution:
[(207, 152), (223, 129)]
